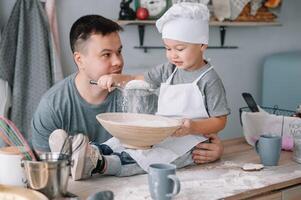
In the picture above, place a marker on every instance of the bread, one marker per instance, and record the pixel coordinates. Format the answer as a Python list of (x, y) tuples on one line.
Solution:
[(272, 3), (262, 15)]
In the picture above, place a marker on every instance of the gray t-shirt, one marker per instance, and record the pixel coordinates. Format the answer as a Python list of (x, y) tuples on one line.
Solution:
[(62, 107), (210, 85)]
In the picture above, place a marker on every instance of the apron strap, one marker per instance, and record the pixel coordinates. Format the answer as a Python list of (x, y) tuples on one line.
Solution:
[(201, 76), (168, 81)]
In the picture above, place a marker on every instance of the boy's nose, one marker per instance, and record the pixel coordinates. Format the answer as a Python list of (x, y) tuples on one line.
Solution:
[(174, 55)]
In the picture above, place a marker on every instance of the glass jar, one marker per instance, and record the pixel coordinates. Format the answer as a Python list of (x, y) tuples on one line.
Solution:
[(297, 148)]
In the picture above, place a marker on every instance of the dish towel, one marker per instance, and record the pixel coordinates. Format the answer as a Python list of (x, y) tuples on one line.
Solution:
[(238, 5), (5, 98), (26, 60), (57, 71), (165, 152)]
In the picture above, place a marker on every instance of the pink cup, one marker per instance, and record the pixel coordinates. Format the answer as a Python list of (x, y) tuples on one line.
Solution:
[(287, 143)]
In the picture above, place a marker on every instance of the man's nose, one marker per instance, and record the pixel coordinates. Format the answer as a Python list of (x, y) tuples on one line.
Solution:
[(117, 60)]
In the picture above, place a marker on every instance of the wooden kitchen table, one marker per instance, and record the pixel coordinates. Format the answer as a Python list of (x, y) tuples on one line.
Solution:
[(223, 179)]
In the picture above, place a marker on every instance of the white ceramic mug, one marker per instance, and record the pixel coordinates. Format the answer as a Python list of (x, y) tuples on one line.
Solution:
[(11, 172)]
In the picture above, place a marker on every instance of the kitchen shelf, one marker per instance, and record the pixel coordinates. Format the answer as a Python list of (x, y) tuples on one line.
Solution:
[(222, 26), (211, 23)]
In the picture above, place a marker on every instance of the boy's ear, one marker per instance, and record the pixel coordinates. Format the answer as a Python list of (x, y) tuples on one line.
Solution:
[(204, 47)]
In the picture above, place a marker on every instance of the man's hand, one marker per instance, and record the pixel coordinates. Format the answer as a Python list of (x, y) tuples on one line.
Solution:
[(108, 81), (208, 152)]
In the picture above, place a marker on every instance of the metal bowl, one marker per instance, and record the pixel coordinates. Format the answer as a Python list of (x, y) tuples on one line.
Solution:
[(49, 175)]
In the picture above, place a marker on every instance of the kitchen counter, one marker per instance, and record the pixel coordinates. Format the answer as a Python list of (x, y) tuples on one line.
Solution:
[(221, 179)]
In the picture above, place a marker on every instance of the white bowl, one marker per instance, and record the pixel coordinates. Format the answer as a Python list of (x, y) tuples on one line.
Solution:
[(138, 131)]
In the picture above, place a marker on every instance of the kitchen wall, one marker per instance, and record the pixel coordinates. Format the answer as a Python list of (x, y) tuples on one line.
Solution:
[(239, 68)]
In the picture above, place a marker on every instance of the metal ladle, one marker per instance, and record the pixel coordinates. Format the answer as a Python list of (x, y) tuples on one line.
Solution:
[(93, 82)]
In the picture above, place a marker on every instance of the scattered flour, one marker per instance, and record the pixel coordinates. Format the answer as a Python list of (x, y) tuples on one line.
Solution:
[(230, 164), (226, 185), (139, 192), (139, 97), (210, 184)]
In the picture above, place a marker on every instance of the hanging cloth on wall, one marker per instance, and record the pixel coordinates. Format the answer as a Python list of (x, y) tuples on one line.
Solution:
[(5, 102), (57, 71), (26, 60)]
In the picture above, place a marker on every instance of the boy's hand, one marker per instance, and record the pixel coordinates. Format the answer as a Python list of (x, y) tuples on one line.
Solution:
[(185, 129), (107, 82)]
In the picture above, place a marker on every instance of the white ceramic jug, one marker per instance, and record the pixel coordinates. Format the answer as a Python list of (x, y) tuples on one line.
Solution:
[(11, 172)]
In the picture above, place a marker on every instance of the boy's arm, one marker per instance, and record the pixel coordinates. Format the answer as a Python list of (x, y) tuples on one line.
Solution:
[(211, 125), (110, 81), (155, 76)]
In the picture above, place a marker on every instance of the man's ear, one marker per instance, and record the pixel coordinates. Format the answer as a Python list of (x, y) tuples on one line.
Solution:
[(78, 59)]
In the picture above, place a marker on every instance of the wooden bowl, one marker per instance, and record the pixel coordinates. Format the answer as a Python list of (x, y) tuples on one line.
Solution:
[(138, 131), (20, 193)]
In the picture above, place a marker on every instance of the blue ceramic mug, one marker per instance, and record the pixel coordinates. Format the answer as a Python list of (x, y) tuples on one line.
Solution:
[(163, 182), (269, 149)]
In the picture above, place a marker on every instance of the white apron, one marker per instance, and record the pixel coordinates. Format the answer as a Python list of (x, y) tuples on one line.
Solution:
[(180, 101)]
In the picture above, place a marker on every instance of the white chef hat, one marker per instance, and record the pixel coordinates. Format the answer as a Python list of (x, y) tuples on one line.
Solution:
[(186, 22)]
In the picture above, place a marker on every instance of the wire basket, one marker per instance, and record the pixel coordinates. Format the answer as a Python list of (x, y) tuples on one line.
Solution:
[(272, 110)]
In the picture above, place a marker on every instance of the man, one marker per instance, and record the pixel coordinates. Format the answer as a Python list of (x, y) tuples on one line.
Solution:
[(72, 104)]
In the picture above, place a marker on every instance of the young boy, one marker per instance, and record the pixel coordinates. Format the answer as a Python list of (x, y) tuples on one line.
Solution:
[(72, 104), (189, 86)]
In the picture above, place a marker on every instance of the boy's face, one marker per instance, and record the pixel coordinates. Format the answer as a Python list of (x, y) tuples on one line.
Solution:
[(100, 55), (184, 55)]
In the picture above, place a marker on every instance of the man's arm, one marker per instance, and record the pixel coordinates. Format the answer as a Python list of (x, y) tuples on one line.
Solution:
[(44, 122)]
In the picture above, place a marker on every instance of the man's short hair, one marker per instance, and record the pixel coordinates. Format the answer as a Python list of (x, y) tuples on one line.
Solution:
[(87, 25)]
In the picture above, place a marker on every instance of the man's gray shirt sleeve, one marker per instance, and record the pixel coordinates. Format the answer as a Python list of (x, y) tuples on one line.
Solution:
[(62, 107), (44, 122)]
